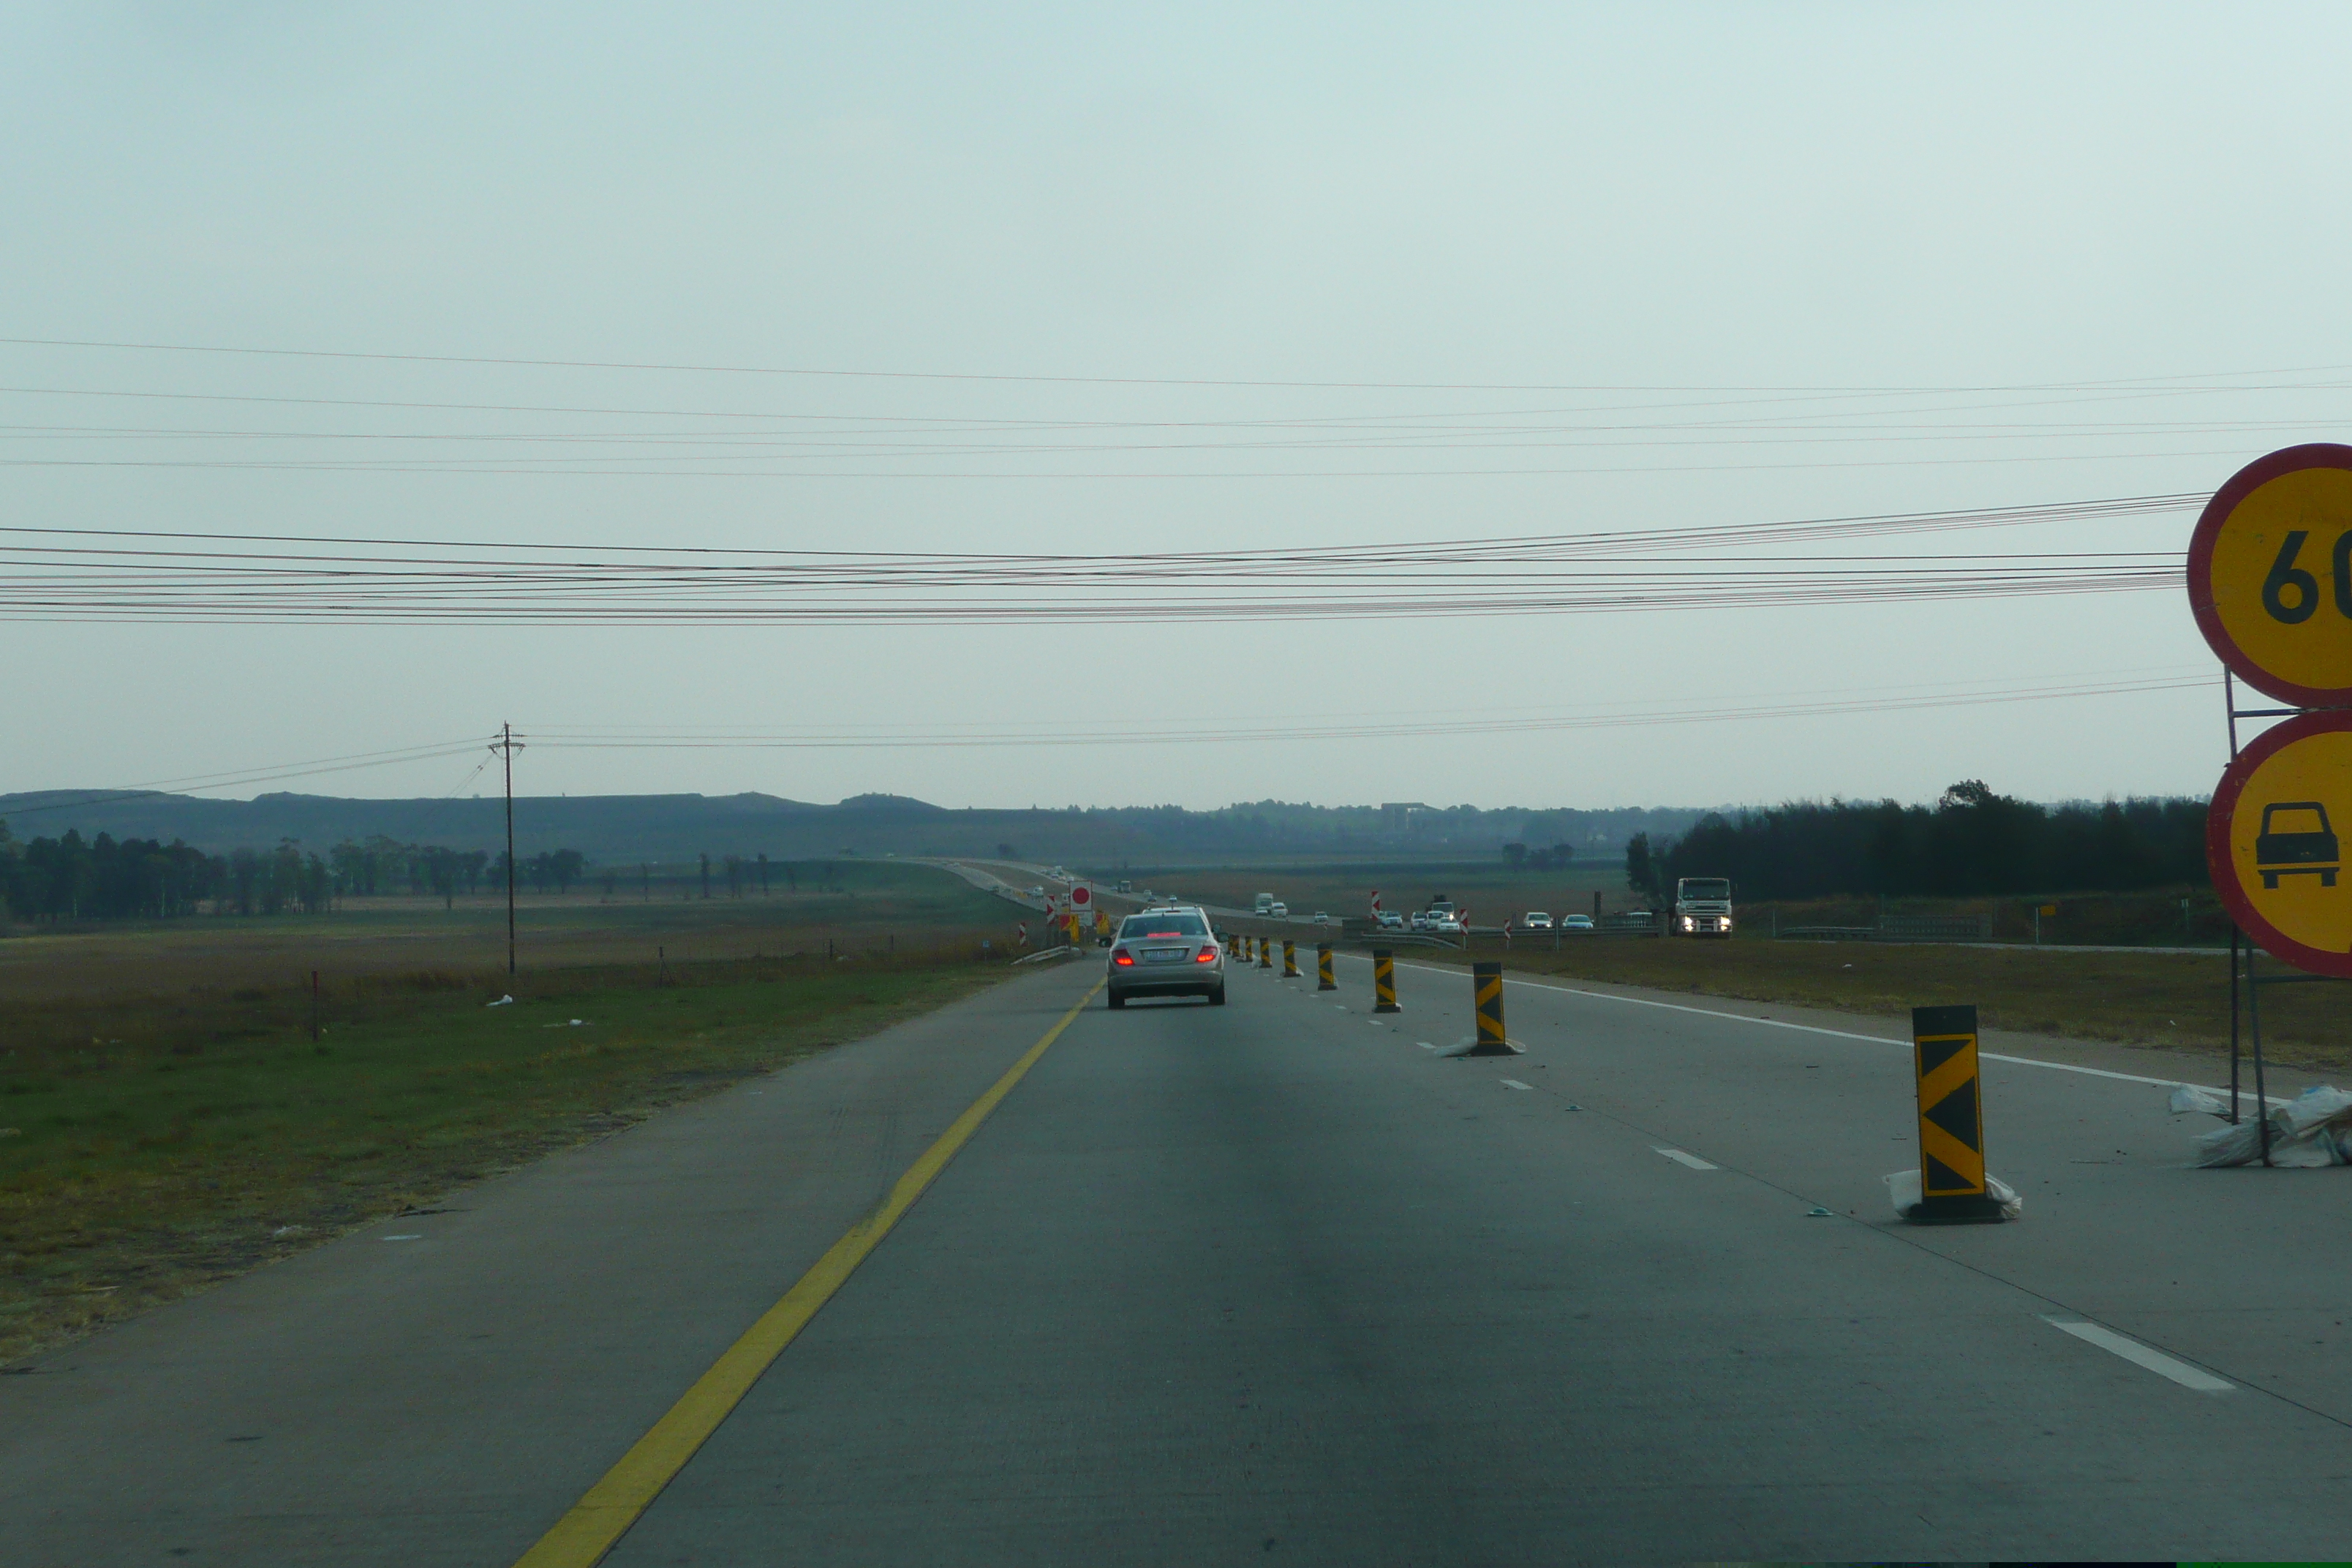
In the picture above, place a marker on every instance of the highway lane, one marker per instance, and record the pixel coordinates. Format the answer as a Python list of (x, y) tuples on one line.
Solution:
[(1268, 1280), (1276, 1279), (2228, 1268), (442, 1399)]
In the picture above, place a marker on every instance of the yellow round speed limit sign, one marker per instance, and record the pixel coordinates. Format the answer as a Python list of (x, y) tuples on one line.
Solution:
[(2273, 841), (2270, 575)]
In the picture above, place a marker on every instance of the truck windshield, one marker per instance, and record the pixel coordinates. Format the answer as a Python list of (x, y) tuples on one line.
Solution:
[(1706, 888)]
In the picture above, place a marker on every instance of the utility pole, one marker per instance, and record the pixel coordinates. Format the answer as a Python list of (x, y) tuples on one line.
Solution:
[(506, 746)]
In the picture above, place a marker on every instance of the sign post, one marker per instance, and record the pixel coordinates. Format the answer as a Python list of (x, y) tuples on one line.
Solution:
[(2270, 582)]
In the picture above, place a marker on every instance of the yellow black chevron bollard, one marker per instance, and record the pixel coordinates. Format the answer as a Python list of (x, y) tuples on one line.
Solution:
[(1289, 959), (1486, 986), (1323, 981), (1951, 1121), (1265, 953), (1384, 981)]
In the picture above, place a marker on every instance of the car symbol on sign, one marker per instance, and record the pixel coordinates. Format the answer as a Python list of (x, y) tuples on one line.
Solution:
[(2300, 850)]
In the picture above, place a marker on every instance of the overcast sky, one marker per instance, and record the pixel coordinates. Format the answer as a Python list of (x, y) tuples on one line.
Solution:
[(1684, 213)]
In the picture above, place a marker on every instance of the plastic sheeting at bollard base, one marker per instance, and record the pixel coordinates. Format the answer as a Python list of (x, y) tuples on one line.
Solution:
[(1999, 1201)]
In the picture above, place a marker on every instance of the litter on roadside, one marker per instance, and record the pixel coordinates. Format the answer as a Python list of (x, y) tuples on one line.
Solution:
[(501, 1002), (1903, 1188), (2312, 1129)]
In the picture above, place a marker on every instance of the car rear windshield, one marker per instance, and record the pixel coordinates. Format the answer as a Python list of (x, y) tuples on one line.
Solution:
[(1139, 926)]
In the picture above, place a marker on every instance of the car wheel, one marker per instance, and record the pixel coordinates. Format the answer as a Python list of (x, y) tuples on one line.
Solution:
[(1217, 997), (1115, 1000)]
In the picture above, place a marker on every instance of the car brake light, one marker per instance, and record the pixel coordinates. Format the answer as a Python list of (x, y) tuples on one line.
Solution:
[(1206, 955), (1122, 956)]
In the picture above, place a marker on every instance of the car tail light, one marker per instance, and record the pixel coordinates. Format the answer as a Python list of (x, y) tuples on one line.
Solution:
[(1206, 955), (1122, 956)]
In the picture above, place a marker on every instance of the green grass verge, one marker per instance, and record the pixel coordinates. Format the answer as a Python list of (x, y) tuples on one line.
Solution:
[(129, 1176)]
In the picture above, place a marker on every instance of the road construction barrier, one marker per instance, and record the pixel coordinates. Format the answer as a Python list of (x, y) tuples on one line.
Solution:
[(1289, 959), (1951, 1118), (1384, 981), (1486, 987), (1323, 981), (1265, 953)]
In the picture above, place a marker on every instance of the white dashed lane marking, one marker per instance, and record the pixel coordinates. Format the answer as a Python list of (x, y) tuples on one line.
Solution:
[(2138, 1354), (1515, 1083), (1693, 1161)]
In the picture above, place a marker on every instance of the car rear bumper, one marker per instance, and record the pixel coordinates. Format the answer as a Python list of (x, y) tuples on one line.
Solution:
[(1188, 979)]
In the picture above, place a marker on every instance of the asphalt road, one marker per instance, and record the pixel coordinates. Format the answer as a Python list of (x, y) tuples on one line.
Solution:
[(1275, 1282)]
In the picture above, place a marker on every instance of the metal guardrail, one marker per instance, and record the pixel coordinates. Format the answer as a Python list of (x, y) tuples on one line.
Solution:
[(1899, 928), (1935, 928), (1632, 924)]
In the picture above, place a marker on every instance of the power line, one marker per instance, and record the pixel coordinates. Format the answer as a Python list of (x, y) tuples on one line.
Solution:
[(163, 787), (1696, 536), (861, 374), (58, 575), (1262, 734)]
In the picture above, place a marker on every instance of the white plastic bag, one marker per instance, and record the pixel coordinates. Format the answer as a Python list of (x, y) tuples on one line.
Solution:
[(2312, 1129), (2188, 1098), (2320, 1103)]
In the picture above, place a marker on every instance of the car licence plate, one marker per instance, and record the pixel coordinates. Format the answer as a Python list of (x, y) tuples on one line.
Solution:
[(1162, 955)]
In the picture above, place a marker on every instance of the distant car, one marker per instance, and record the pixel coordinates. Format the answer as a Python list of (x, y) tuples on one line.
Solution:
[(1576, 922), (1277, 910), (1321, 919), (1536, 920), (1390, 921), (1036, 892), (1126, 886), (1166, 952), (1442, 923)]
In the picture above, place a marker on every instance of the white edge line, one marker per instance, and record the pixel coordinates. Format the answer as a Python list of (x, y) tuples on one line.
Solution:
[(1840, 1034), (2138, 1354)]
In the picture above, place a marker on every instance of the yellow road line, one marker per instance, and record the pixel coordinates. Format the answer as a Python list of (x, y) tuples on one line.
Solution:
[(588, 1530)]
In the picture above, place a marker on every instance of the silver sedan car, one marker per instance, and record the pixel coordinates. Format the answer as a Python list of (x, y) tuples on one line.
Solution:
[(1167, 952)]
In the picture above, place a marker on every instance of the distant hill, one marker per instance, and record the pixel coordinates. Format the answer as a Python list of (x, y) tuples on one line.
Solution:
[(623, 829)]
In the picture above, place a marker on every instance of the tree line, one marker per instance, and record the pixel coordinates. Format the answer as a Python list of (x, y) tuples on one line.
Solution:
[(1971, 843), (69, 878)]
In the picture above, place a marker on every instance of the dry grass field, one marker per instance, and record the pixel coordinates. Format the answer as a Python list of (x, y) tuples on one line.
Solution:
[(167, 1120)]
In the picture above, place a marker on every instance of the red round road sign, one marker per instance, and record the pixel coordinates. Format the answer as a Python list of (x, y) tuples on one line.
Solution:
[(2272, 843), (2270, 575), (1082, 895)]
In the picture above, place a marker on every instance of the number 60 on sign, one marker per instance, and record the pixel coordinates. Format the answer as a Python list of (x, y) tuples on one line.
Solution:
[(2270, 575)]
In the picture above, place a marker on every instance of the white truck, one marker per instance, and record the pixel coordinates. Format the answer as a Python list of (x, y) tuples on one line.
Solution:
[(1703, 906)]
